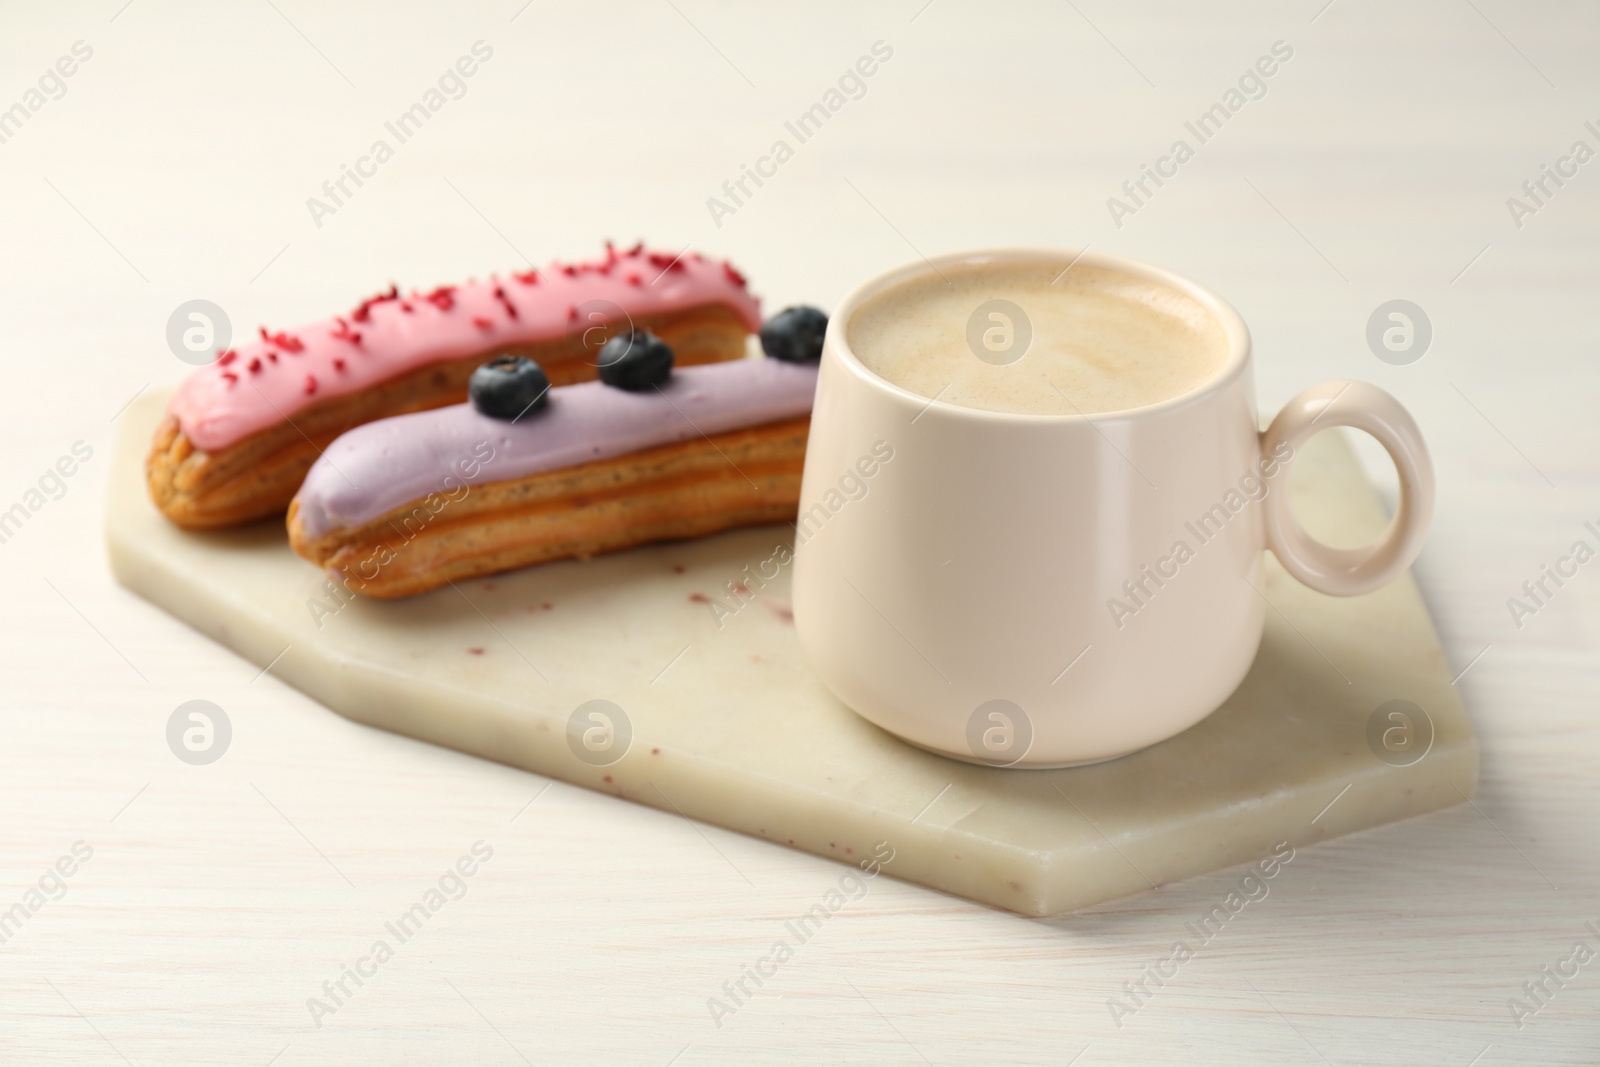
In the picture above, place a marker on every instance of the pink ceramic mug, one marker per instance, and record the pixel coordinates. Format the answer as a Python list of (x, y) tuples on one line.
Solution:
[(986, 551)]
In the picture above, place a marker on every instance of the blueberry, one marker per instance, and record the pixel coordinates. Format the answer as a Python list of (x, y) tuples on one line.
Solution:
[(635, 360), (794, 335), (509, 387)]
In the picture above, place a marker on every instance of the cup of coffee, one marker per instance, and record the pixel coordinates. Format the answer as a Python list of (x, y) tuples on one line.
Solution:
[(1036, 500)]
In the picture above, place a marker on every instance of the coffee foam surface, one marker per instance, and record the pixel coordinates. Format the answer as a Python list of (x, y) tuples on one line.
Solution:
[(1103, 339)]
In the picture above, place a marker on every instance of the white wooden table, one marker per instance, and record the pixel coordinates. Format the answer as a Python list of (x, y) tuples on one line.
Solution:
[(218, 899)]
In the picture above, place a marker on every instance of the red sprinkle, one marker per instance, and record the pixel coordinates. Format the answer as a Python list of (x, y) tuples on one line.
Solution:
[(255, 365), (635, 250), (311, 385), (505, 301), (482, 323), (406, 307), (733, 276), (345, 333), (230, 376), (530, 278), (569, 270), (286, 341), (226, 356), (572, 312), (441, 297), (272, 357), (634, 279), (338, 364), (363, 311), (664, 261)]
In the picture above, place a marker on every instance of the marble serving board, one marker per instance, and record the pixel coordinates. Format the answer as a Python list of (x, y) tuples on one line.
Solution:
[(724, 723)]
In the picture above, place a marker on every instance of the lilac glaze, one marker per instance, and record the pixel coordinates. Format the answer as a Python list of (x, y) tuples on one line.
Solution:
[(375, 468)]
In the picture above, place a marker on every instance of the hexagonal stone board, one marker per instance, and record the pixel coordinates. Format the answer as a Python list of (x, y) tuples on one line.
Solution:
[(729, 727)]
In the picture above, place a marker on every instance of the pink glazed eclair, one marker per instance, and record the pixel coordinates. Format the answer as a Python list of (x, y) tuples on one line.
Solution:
[(241, 433)]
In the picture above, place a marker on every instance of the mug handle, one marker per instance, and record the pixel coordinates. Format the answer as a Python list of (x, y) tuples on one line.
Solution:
[(1351, 571)]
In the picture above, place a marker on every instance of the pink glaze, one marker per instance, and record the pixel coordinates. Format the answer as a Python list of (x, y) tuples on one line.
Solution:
[(373, 469), (261, 383)]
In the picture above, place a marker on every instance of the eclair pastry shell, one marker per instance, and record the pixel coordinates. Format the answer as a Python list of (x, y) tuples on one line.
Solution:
[(686, 489)]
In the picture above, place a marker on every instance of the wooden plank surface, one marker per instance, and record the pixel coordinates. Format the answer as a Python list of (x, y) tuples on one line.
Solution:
[(218, 899)]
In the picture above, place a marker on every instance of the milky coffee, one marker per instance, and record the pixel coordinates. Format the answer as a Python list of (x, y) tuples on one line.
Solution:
[(1023, 337)]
